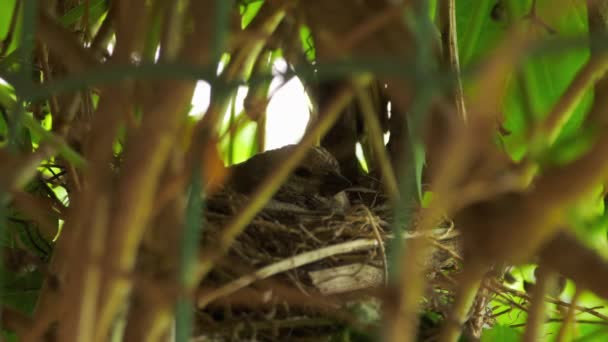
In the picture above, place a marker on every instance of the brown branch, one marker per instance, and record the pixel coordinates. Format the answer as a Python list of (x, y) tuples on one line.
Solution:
[(536, 310), (447, 22), (67, 263), (572, 259), (63, 45), (467, 143), (469, 282), (15, 321), (172, 35), (104, 33), (377, 143), (569, 319), (144, 161)]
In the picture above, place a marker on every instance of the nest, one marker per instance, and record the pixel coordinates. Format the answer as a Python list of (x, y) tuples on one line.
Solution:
[(304, 274)]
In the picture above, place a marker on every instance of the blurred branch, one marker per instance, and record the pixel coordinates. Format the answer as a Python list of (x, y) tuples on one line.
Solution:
[(592, 72), (447, 27), (74, 261), (569, 320), (536, 309), (265, 23), (172, 35), (468, 286), (104, 33), (63, 45), (377, 143), (145, 159), (587, 268)]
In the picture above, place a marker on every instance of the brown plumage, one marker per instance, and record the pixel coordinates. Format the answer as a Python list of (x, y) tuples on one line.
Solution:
[(312, 185)]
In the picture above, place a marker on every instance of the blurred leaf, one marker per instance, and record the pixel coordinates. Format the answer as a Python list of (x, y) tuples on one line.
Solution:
[(189, 250), (8, 7), (589, 220), (308, 45), (477, 31), (427, 197), (515, 316), (537, 87), (96, 9), (9, 336), (244, 138), (41, 134), (7, 96), (500, 333), (5, 17), (19, 292), (591, 333), (20, 231), (570, 146), (249, 9)]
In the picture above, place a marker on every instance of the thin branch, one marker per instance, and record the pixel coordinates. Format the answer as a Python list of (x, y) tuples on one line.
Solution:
[(286, 265), (376, 137), (469, 282), (570, 317), (447, 22), (536, 311), (63, 45)]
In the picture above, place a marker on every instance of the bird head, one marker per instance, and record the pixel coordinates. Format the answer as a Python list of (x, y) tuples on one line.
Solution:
[(319, 172)]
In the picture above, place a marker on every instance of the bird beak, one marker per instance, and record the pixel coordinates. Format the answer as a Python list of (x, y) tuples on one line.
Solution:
[(333, 183)]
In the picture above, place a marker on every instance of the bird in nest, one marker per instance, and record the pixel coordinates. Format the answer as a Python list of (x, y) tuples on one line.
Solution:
[(316, 184)]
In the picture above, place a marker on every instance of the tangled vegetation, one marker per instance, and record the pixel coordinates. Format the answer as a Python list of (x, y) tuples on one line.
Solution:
[(459, 191)]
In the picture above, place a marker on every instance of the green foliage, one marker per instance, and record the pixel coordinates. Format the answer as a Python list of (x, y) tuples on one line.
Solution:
[(308, 45), (500, 333), (478, 32), (19, 291), (249, 9), (5, 20), (592, 333), (97, 9)]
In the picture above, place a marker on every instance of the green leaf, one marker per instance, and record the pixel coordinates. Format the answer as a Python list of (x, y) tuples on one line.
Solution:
[(591, 333), (244, 138), (308, 45), (542, 80), (500, 333), (476, 29), (249, 10), (8, 7), (96, 9)]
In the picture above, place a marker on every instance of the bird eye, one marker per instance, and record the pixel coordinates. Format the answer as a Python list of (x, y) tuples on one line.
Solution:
[(303, 172)]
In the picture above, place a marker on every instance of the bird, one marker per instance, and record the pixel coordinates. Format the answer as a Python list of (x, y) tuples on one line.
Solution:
[(316, 184)]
